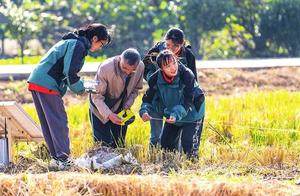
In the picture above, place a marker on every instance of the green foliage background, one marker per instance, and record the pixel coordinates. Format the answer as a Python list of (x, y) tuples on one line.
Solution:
[(214, 28)]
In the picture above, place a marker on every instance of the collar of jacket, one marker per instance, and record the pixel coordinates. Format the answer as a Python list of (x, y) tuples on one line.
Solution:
[(182, 52), (116, 65), (87, 44), (161, 79), (168, 79)]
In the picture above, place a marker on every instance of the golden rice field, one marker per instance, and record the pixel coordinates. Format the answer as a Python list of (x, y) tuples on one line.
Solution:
[(250, 145), (63, 183), (252, 125)]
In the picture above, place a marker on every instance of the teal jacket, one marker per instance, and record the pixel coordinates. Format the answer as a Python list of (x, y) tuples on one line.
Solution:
[(58, 69), (169, 99)]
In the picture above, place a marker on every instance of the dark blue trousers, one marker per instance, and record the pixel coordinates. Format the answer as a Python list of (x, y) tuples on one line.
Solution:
[(190, 137), (54, 123), (109, 134)]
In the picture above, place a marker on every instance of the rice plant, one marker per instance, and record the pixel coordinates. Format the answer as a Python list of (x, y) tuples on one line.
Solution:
[(259, 128)]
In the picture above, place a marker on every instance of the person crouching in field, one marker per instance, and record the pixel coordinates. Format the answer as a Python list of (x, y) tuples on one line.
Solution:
[(175, 42), (174, 91), (120, 79), (49, 81)]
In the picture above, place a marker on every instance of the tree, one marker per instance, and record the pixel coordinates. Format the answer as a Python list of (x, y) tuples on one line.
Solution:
[(3, 22), (228, 42), (30, 19), (248, 14), (135, 23), (198, 17), (280, 25), (21, 25)]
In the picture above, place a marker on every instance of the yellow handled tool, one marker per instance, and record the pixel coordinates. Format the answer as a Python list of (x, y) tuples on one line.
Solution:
[(125, 115)]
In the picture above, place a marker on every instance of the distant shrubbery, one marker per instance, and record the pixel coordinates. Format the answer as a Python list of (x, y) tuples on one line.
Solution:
[(214, 28)]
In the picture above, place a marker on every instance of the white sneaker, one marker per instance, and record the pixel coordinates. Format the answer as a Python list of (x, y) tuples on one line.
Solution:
[(65, 164), (53, 164), (60, 165)]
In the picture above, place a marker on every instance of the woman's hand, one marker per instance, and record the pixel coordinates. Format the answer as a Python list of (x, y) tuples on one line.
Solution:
[(171, 120), (146, 117)]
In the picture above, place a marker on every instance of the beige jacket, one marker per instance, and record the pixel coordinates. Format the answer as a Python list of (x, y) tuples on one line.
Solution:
[(111, 84)]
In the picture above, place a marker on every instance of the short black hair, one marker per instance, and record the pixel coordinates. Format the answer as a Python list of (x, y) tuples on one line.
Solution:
[(176, 35), (164, 57), (132, 56)]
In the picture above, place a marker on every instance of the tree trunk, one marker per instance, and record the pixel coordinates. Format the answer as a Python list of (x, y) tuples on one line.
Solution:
[(2, 42), (195, 43), (22, 46)]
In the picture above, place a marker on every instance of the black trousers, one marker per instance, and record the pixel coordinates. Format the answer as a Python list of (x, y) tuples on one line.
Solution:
[(190, 137), (109, 134)]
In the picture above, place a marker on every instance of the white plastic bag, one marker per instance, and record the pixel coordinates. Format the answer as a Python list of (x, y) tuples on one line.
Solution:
[(90, 85)]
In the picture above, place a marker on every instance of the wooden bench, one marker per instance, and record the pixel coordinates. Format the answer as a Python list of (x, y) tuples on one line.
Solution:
[(18, 124)]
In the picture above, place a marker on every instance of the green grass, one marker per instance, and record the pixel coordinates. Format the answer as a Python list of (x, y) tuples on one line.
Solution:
[(257, 128), (36, 60)]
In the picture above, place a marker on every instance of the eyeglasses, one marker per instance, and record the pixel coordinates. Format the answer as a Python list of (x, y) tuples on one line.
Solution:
[(102, 44)]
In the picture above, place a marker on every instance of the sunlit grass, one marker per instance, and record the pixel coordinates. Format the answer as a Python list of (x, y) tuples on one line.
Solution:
[(260, 128), (37, 59)]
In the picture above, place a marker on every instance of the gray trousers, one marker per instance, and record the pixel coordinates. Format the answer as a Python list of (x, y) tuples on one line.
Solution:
[(54, 123)]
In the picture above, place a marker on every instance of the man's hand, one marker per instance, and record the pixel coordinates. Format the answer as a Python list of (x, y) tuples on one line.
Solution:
[(146, 117), (171, 120), (115, 119)]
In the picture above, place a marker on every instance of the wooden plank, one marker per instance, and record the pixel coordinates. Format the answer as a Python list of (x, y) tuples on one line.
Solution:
[(10, 144), (22, 126), (1, 124)]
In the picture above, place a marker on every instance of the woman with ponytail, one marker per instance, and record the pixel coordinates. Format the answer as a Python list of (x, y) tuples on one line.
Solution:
[(49, 81)]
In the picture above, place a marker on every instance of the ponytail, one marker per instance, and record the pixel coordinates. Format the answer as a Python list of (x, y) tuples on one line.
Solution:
[(95, 29), (80, 32)]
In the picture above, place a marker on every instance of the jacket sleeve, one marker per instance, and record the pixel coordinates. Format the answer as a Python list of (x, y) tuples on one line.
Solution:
[(73, 62), (145, 108), (98, 99), (189, 81), (191, 62), (150, 61), (137, 88), (149, 95), (179, 112)]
